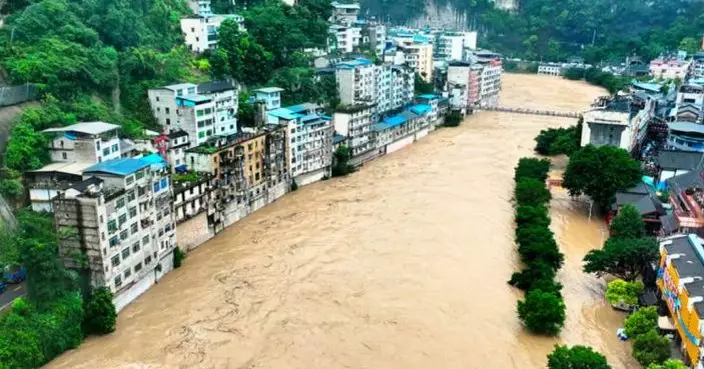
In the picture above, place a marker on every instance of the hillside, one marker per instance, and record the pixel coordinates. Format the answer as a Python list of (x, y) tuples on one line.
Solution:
[(554, 30)]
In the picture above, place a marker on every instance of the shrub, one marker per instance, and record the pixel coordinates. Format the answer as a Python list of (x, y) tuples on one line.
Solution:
[(619, 291), (538, 244), (576, 357), (453, 119), (178, 257), (100, 315), (542, 312), (669, 364), (527, 215), (532, 168)]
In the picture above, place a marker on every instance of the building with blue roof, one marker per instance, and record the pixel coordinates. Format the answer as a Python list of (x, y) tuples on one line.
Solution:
[(398, 131), (271, 96), (123, 214)]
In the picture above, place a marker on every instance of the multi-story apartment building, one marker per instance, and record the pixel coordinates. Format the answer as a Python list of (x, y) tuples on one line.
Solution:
[(120, 218), (387, 86), (201, 7), (202, 111), (451, 45), (418, 54), (271, 96), (465, 78), (201, 32), (374, 35), (618, 121), (191, 195), (681, 284), (490, 82), (355, 123), (344, 39), (698, 64), (549, 69), (309, 141), (673, 68), (72, 149), (344, 13), (178, 143)]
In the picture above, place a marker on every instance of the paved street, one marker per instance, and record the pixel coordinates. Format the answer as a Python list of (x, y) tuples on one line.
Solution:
[(13, 291)]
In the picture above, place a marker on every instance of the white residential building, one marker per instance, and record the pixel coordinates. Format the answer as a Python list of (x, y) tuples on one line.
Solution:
[(120, 217), (309, 144), (550, 69), (200, 7), (178, 143), (618, 122), (201, 32), (490, 83), (202, 111), (354, 122), (387, 86), (451, 45), (271, 96), (72, 149), (419, 56), (344, 39), (344, 13), (690, 94)]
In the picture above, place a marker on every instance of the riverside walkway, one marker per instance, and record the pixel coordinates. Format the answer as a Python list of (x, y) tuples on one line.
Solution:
[(551, 113)]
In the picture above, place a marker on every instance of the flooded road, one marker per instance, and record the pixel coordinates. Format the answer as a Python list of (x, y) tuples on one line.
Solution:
[(401, 265)]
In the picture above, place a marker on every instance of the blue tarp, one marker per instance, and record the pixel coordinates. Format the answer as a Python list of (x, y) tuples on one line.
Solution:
[(122, 167)]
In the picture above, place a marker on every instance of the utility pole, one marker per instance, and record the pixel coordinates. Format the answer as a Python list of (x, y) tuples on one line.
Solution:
[(594, 37)]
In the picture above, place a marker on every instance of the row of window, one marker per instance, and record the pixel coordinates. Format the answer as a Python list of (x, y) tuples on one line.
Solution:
[(128, 272)]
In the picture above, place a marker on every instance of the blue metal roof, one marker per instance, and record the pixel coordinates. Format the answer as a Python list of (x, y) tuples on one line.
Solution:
[(652, 87), (309, 117), (195, 98), (420, 109), (120, 167), (296, 108), (429, 96), (351, 64), (283, 113), (390, 122), (421, 39), (155, 160), (337, 138)]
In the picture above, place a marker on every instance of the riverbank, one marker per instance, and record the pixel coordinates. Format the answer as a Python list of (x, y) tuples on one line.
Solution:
[(402, 264)]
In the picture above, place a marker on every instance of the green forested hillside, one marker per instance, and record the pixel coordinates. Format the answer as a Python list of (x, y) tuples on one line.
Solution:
[(555, 29)]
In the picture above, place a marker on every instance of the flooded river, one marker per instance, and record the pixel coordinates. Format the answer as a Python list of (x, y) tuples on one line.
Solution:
[(401, 265)]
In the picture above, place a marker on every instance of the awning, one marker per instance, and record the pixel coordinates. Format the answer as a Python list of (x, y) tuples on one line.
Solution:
[(666, 324)]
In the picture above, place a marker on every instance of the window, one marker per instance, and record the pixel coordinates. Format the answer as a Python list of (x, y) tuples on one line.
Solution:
[(131, 196), (157, 188), (167, 110), (193, 29), (128, 273), (134, 228), (145, 240), (118, 281), (115, 261), (147, 260), (161, 232), (97, 145), (197, 39), (106, 151), (139, 175), (141, 191), (164, 183), (125, 253), (168, 121), (256, 177), (63, 155), (120, 203), (133, 212), (157, 98), (200, 113), (124, 234), (200, 135), (115, 148), (114, 241), (112, 226), (138, 267), (158, 216), (129, 180), (122, 219), (136, 247)]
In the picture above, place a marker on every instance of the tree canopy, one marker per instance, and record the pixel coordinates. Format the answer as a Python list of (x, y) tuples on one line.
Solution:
[(576, 357), (651, 348), (542, 312), (619, 291), (641, 321), (628, 223), (600, 172), (625, 258)]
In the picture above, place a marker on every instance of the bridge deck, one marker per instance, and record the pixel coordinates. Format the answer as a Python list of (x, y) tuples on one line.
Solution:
[(551, 113)]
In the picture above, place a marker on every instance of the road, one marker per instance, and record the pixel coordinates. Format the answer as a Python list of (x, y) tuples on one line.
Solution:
[(13, 291)]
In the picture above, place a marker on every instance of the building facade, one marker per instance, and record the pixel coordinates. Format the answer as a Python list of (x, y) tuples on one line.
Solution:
[(670, 68), (120, 218), (201, 32), (355, 123), (549, 69)]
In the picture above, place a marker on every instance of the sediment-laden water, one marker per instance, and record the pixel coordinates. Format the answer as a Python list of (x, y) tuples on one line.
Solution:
[(401, 265)]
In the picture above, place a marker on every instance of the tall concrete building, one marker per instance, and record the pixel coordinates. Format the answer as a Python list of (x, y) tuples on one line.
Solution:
[(120, 220)]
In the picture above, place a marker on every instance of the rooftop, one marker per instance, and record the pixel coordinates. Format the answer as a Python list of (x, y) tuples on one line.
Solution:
[(300, 108), (84, 184), (429, 96), (126, 166), (351, 64), (91, 128), (195, 98), (214, 87), (177, 134), (269, 90), (337, 5), (420, 109), (283, 113), (688, 262), (76, 168), (179, 86), (650, 87), (686, 127), (672, 159)]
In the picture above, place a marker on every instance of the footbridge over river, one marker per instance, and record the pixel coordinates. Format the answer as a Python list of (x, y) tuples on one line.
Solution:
[(519, 110)]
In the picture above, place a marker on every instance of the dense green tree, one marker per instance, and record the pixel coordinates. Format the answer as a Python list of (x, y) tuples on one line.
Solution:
[(576, 357), (245, 111), (574, 73), (625, 258), (535, 273), (531, 192), (651, 348), (421, 86), (542, 312), (532, 168), (247, 60), (532, 216), (537, 243), (341, 158), (641, 322), (628, 223), (600, 172), (100, 315), (556, 141)]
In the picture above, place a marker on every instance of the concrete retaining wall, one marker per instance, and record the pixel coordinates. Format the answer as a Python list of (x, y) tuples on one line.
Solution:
[(311, 177), (193, 232)]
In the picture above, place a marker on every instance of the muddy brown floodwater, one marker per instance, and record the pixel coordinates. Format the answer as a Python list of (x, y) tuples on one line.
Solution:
[(401, 265)]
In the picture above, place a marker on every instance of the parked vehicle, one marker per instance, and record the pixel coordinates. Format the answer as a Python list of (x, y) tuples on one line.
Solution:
[(3, 287), (17, 275)]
